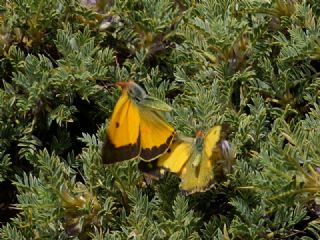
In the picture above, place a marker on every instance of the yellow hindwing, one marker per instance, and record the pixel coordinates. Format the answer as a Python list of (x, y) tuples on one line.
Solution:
[(197, 179), (156, 134)]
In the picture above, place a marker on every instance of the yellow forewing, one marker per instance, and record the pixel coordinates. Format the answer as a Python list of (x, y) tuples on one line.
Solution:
[(211, 140), (176, 157), (156, 134), (122, 141), (123, 127)]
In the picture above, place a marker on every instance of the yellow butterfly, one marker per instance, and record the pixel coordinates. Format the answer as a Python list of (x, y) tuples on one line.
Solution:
[(192, 159), (137, 127)]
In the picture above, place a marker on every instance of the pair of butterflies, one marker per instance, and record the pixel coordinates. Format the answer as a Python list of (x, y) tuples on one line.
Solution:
[(138, 129)]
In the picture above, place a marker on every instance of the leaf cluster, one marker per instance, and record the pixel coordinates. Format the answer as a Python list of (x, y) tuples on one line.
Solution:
[(251, 64)]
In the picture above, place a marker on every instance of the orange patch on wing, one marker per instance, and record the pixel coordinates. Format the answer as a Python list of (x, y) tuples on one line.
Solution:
[(209, 163), (184, 171)]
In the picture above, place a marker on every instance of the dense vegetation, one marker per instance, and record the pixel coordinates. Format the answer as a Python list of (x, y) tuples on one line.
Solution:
[(251, 64)]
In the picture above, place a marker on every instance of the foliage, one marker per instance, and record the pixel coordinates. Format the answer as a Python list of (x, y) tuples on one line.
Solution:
[(251, 64)]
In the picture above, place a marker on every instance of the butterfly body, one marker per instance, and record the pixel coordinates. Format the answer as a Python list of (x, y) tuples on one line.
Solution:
[(198, 148), (137, 127)]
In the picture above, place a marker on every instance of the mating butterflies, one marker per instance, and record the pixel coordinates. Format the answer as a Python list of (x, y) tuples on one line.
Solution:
[(137, 127), (193, 160)]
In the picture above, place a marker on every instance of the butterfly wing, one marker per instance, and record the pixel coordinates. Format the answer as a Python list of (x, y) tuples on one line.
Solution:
[(173, 160), (122, 141), (199, 178), (150, 169), (176, 156), (212, 139), (156, 134)]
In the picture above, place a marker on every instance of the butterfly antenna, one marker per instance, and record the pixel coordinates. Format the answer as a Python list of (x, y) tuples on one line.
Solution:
[(106, 85)]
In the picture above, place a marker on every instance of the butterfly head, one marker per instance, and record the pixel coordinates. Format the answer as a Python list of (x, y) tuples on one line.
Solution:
[(126, 85), (135, 92), (199, 134)]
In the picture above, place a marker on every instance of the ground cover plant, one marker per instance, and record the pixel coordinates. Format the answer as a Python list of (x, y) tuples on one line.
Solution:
[(253, 65)]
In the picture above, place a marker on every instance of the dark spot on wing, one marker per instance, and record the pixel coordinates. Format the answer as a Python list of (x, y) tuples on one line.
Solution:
[(117, 124)]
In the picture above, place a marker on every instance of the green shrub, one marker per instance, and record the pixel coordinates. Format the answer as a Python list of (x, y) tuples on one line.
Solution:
[(251, 64)]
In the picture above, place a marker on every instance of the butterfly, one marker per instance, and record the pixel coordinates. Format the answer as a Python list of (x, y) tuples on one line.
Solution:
[(137, 127), (192, 159)]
